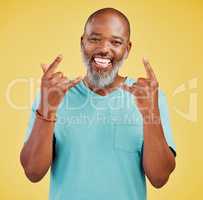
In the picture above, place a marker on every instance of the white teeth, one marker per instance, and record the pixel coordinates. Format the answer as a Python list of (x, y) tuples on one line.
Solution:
[(102, 60)]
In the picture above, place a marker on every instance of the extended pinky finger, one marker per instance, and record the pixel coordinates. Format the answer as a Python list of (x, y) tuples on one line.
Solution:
[(74, 82)]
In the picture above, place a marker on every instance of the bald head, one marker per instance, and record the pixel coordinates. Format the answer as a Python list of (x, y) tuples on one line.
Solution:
[(109, 12)]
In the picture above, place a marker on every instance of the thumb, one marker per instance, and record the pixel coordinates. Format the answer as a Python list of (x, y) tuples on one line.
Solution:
[(74, 82)]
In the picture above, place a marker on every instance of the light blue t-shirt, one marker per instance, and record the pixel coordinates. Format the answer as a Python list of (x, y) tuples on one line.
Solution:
[(98, 143)]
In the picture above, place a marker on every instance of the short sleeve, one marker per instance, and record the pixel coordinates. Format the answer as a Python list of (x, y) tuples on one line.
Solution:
[(32, 117), (164, 113)]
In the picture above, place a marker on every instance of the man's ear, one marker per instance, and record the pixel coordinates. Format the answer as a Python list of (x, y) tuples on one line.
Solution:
[(127, 50), (81, 41)]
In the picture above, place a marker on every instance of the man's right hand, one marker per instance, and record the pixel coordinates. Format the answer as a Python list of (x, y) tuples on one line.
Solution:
[(54, 85)]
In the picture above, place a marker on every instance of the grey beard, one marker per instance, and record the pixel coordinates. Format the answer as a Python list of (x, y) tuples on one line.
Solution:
[(98, 79)]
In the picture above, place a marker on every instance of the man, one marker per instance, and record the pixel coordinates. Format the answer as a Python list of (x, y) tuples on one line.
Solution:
[(104, 133)]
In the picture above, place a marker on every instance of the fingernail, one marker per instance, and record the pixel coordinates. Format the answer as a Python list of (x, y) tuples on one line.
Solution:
[(60, 56), (145, 60)]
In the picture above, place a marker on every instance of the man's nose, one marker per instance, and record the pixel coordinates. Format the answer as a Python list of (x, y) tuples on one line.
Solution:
[(105, 47)]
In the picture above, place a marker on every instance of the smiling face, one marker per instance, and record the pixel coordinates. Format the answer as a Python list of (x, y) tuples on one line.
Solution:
[(104, 45)]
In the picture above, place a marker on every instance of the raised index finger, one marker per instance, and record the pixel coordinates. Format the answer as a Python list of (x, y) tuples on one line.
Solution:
[(149, 70), (54, 64)]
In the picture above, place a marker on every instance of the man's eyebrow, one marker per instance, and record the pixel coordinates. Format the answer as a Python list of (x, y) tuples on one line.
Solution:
[(94, 33), (117, 37), (114, 36)]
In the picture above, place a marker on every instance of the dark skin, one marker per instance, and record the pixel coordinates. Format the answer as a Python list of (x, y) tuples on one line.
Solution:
[(106, 35)]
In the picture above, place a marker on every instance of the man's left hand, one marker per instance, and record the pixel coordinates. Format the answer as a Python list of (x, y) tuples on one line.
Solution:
[(145, 91)]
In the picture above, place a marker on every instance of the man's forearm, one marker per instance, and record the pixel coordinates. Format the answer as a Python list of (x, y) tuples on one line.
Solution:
[(158, 160), (36, 155)]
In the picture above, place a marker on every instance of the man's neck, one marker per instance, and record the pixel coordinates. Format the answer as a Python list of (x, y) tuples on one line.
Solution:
[(109, 88)]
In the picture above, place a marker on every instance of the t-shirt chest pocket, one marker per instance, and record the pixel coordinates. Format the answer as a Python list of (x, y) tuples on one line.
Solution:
[(127, 138), (127, 130)]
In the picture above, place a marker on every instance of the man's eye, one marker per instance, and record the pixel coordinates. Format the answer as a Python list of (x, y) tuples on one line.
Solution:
[(94, 39), (117, 43)]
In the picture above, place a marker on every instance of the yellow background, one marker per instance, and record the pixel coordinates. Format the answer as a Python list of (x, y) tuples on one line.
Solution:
[(169, 33)]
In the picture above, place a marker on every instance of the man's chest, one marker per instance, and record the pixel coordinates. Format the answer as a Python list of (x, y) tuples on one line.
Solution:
[(99, 126)]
